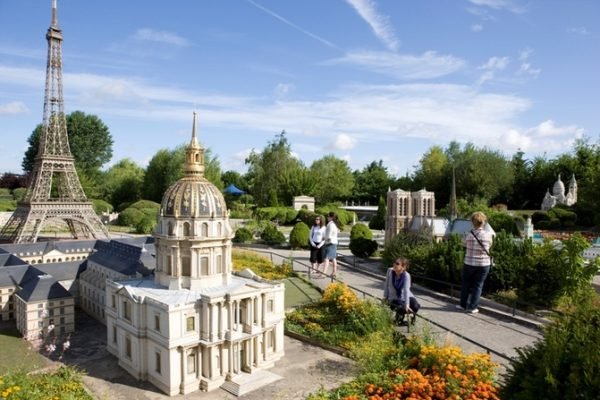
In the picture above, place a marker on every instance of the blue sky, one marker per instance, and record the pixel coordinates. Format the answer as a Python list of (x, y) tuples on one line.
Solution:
[(360, 79)]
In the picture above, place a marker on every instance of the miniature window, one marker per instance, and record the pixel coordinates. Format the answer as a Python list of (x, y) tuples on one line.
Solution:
[(157, 362), (128, 347), (190, 324), (157, 322), (191, 363)]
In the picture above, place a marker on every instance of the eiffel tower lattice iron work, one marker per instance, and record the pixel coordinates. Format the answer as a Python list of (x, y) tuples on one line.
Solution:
[(54, 191)]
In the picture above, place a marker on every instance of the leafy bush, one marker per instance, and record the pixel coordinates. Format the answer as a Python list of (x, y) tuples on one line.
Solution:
[(539, 216), (19, 193), (503, 222), (378, 220), (146, 225), (361, 243), (308, 217), (8, 205), (563, 365), (243, 235), (567, 218), (281, 215), (299, 236), (344, 217), (101, 206), (130, 217), (144, 204), (272, 236)]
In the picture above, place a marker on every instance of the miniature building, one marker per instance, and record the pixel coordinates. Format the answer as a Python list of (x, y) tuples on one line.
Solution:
[(304, 201), (558, 195), (195, 326), (403, 206)]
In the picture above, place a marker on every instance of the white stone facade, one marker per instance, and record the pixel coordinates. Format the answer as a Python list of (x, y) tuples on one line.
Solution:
[(559, 196), (403, 206)]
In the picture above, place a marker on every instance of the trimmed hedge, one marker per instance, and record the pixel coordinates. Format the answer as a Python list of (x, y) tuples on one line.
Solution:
[(361, 243), (243, 235), (299, 236), (281, 215), (272, 236)]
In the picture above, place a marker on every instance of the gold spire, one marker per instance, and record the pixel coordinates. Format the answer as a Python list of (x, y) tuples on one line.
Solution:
[(194, 154)]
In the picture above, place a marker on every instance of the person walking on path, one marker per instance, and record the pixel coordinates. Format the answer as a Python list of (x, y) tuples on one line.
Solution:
[(397, 293), (316, 240), (331, 241), (476, 268)]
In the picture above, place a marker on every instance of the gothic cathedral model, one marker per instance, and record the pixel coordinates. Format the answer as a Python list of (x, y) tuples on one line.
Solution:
[(195, 326), (54, 191)]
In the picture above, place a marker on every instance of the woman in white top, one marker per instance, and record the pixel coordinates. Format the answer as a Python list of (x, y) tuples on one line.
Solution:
[(331, 241), (316, 239)]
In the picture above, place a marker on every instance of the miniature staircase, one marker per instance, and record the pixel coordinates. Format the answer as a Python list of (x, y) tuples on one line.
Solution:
[(244, 383)]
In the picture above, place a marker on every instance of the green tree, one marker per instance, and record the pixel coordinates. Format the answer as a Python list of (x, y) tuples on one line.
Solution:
[(90, 142), (334, 177), (378, 220), (372, 182), (122, 183), (166, 167), (274, 175), (432, 172)]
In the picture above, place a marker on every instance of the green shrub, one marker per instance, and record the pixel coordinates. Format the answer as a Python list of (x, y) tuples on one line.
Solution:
[(272, 236), (63, 383), (344, 217), (539, 216), (308, 217), (130, 217), (142, 204), (361, 243), (19, 193), (378, 221), (567, 218), (564, 364), (5, 192), (299, 236), (281, 215), (360, 231), (503, 222), (101, 206), (243, 235), (146, 224)]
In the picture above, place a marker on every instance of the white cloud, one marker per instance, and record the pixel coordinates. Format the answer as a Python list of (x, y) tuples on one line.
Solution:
[(495, 63), (343, 141), (282, 89), (526, 67), (580, 30), (508, 5), (476, 27), (428, 65), (14, 107), (152, 35), (380, 24), (293, 25), (546, 137)]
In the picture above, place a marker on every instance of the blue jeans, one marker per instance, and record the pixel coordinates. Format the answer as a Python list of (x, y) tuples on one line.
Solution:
[(472, 284)]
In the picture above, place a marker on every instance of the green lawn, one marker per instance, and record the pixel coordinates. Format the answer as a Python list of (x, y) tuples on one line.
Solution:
[(16, 353), (298, 292)]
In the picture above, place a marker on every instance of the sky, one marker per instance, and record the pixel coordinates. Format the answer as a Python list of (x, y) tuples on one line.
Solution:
[(362, 80)]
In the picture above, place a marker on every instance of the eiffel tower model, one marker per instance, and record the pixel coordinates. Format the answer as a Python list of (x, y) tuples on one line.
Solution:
[(54, 191)]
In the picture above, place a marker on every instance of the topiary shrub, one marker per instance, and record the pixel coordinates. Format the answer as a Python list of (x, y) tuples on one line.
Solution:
[(299, 236), (567, 218), (272, 236), (281, 215), (243, 235), (503, 222), (130, 217), (146, 225), (361, 243), (539, 216), (378, 221), (101, 206)]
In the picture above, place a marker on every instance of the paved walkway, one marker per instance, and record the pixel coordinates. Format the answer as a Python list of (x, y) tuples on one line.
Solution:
[(493, 330)]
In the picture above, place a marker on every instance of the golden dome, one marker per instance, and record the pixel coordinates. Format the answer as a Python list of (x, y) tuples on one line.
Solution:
[(193, 195)]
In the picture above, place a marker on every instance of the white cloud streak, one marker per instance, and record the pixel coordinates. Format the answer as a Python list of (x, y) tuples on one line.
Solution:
[(580, 30), (428, 65), (380, 24), (14, 107), (152, 35), (293, 25), (508, 5)]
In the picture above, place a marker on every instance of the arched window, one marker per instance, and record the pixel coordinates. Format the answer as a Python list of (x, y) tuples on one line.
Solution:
[(203, 266), (186, 229), (219, 264), (219, 229), (205, 229)]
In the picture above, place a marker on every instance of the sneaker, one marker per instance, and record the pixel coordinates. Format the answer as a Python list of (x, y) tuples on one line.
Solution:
[(473, 311)]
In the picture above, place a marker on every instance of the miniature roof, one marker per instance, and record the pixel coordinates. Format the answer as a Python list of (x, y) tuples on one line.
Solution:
[(43, 287)]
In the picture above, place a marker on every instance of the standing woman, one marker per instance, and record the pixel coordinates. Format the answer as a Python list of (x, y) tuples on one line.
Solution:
[(476, 268), (316, 240), (331, 241), (396, 291)]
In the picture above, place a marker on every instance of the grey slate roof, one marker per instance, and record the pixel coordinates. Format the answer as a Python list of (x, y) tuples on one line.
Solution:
[(39, 248), (18, 275), (7, 259), (64, 271), (43, 287), (125, 257)]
